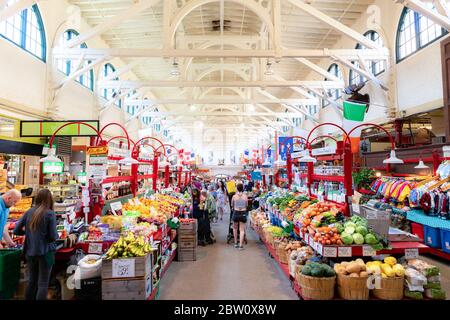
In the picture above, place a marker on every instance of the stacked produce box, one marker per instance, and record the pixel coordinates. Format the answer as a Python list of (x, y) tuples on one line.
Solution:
[(187, 240), (423, 280), (127, 270)]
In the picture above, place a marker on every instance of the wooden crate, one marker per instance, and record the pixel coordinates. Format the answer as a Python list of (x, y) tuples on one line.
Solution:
[(127, 289), (142, 267), (187, 244), (188, 227)]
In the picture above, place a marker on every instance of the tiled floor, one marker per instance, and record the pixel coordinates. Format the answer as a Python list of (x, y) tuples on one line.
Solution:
[(221, 272)]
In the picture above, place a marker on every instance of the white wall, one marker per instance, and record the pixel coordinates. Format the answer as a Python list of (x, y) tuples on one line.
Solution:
[(25, 80)]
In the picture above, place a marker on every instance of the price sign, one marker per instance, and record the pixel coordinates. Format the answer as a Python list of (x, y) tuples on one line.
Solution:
[(123, 268), (311, 242), (115, 207), (319, 248), (95, 248), (344, 251), (371, 215), (330, 252), (306, 238), (368, 251), (411, 253)]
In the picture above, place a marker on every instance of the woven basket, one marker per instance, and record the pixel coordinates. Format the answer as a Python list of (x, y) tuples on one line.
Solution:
[(391, 289), (317, 288), (350, 288), (282, 255)]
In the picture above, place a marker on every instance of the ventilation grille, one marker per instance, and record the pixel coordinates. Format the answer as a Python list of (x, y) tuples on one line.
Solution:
[(64, 146)]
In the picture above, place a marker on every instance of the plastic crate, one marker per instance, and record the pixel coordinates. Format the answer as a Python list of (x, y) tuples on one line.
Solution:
[(418, 230), (445, 240), (9, 272), (432, 237)]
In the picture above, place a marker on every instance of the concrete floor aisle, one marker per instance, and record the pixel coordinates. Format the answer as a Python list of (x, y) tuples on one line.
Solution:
[(222, 272)]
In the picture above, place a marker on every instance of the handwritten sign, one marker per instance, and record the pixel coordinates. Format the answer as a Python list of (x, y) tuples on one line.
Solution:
[(95, 248), (371, 215), (311, 242), (330, 252), (344, 251), (97, 150), (123, 268), (368, 251), (306, 238), (411, 253)]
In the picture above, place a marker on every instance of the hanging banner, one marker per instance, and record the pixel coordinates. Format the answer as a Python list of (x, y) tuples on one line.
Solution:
[(256, 176), (285, 144)]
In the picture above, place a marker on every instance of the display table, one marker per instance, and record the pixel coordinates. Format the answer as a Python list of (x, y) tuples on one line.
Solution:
[(418, 216)]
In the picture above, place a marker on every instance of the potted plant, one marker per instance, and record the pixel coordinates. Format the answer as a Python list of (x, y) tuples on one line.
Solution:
[(363, 178)]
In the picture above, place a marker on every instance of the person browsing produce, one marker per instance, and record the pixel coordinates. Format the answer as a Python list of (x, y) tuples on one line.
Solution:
[(8, 200), (39, 226)]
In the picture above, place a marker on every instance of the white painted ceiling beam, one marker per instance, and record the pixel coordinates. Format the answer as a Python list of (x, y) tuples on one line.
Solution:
[(351, 54), (219, 84), (309, 9), (420, 7), (196, 114), (139, 6), (122, 70), (220, 101), (318, 69), (81, 71), (361, 71)]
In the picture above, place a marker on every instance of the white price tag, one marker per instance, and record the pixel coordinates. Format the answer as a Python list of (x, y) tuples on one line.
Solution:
[(86, 209), (371, 215), (368, 251), (95, 248), (306, 238), (116, 206), (319, 248), (330, 252), (311, 242), (411, 253), (344, 251), (123, 268)]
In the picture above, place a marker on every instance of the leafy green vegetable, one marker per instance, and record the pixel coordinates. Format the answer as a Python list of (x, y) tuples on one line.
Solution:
[(358, 238), (347, 239)]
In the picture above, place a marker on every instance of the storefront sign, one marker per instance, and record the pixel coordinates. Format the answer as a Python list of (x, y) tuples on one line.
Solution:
[(48, 128), (98, 171), (324, 151), (123, 268), (52, 167), (97, 150)]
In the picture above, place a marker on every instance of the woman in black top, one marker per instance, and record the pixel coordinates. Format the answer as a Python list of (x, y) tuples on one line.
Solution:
[(198, 213), (39, 226)]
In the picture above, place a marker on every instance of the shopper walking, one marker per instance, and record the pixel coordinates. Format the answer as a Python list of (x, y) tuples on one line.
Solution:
[(239, 204), (39, 226), (198, 213), (7, 200), (211, 204), (206, 216), (222, 199)]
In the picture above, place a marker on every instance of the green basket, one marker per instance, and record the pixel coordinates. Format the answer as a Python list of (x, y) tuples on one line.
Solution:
[(9, 272)]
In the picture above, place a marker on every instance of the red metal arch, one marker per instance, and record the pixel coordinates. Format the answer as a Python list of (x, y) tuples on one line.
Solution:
[(120, 126), (74, 122)]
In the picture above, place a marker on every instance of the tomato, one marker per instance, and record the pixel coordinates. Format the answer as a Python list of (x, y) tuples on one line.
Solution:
[(328, 242), (323, 242), (339, 242), (334, 230), (333, 241)]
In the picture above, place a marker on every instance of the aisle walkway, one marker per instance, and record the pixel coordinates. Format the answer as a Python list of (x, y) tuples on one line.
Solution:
[(222, 272)]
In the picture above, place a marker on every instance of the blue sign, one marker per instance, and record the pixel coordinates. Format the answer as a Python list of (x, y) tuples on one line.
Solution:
[(256, 176), (285, 144)]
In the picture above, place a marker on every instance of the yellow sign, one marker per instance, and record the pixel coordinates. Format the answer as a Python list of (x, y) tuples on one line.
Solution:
[(97, 150), (231, 186)]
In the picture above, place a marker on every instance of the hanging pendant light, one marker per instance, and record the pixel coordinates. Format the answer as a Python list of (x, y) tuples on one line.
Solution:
[(308, 159), (128, 161), (269, 71), (421, 165), (393, 159), (51, 157), (175, 71)]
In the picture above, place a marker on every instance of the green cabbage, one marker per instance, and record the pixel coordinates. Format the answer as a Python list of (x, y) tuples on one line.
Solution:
[(370, 238), (347, 239), (350, 224), (361, 230), (358, 238), (349, 230)]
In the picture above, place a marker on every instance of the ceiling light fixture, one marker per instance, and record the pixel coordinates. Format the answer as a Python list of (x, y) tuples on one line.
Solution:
[(269, 71), (421, 165), (51, 157), (393, 159), (175, 70)]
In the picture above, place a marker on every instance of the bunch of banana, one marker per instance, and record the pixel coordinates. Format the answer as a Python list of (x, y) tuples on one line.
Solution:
[(128, 246)]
